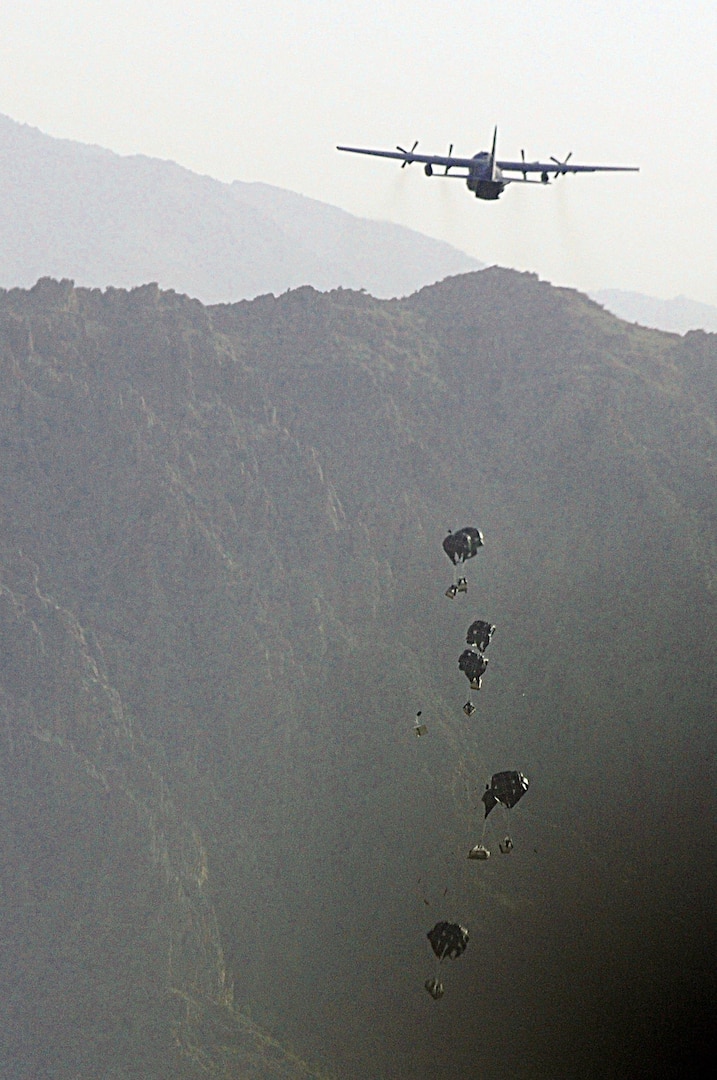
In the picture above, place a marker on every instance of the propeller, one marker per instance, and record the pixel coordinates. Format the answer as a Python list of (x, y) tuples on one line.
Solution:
[(450, 151), (522, 156), (405, 163), (561, 164)]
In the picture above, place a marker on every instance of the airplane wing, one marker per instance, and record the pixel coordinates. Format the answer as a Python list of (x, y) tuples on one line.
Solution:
[(554, 167), (408, 156), (559, 168)]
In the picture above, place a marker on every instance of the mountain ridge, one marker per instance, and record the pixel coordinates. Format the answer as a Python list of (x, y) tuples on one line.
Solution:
[(83, 212), (235, 517)]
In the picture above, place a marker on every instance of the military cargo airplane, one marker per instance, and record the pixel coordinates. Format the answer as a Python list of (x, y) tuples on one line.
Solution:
[(485, 175)]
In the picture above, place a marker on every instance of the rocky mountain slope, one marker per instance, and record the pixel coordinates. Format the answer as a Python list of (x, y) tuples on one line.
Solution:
[(221, 606), (71, 210)]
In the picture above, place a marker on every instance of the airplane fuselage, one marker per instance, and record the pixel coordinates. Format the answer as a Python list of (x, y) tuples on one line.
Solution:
[(485, 179)]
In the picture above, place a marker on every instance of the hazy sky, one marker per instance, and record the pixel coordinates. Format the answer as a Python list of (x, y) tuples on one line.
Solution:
[(266, 91)]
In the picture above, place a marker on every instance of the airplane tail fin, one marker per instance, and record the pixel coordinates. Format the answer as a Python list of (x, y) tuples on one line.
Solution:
[(492, 153)]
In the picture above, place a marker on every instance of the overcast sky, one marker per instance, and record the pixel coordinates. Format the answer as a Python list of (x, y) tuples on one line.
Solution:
[(266, 91)]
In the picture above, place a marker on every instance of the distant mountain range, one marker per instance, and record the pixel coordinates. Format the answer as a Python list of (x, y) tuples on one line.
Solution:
[(69, 210), (678, 315)]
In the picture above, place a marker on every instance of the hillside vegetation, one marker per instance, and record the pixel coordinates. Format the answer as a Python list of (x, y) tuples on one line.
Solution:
[(221, 606)]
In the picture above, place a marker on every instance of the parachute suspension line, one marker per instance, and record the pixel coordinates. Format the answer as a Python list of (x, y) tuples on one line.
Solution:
[(506, 845), (452, 590), (459, 896), (461, 787)]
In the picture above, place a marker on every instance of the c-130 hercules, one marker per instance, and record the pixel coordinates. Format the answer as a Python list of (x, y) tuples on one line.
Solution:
[(484, 175)]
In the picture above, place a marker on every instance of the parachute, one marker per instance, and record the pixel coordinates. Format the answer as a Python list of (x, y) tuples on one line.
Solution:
[(448, 939), (463, 544), (459, 546), (489, 800), (506, 788), (473, 665), (479, 634)]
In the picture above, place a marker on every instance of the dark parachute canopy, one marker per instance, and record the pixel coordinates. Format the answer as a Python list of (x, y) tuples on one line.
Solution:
[(448, 939), (463, 544), (473, 664), (479, 634), (506, 788)]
